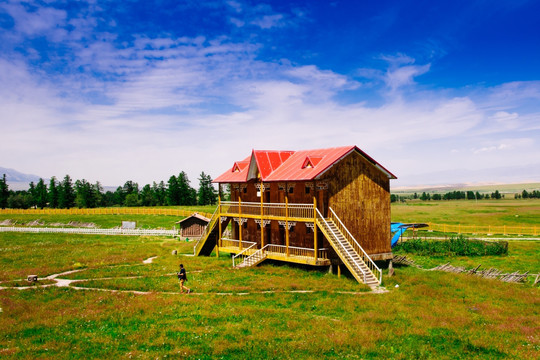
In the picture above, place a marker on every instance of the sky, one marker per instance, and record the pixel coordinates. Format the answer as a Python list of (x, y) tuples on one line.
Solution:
[(438, 92)]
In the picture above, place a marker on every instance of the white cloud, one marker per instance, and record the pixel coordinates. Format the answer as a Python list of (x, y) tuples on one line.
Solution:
[(269, 21), (161, 100), (401, 76)]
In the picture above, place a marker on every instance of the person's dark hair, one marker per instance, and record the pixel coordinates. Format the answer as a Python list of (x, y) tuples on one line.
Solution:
[(181, 265)]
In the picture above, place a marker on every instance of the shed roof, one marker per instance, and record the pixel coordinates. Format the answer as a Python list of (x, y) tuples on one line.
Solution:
[(302, 165), (194, 215)]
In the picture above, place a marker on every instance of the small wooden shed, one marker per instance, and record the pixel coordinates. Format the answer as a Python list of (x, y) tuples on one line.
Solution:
[(193, 226)]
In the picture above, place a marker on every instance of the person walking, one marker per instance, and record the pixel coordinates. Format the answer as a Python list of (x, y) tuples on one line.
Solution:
[(182, 277)]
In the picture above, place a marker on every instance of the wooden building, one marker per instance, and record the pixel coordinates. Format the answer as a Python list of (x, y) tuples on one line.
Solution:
[(193, 226), (314, 207)]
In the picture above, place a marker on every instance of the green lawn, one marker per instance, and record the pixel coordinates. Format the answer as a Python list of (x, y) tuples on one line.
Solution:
[(274, 312), (468, 212)]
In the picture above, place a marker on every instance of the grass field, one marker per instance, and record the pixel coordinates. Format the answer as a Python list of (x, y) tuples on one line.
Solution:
[(525, 212), (270, 312)]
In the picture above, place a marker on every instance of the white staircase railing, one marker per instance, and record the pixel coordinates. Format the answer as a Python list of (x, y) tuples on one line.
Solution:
[(206, 232), (338, 243), (257, 255), (370, 263), (243, 255)]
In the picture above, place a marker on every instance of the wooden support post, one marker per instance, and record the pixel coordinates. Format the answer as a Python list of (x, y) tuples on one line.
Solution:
[(339, 270), (315, 247), (219, 219), (262, 215), (286, 221), (240, 221)]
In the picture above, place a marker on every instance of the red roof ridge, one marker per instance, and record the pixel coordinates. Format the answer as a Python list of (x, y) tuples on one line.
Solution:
[(287, 165)]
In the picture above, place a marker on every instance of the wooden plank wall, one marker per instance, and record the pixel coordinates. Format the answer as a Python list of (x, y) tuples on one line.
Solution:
[(360, 196)]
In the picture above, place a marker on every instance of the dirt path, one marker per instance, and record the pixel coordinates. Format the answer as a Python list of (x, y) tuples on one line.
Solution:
[(60, 282)]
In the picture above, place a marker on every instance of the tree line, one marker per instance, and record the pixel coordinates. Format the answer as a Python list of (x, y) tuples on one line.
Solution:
[(66, 193), (451, 195)]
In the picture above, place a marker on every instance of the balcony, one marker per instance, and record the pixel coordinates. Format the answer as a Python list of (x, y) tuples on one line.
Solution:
[(268, 211)]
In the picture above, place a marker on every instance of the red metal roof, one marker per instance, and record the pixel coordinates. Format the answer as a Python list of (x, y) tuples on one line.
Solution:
[(236, 174), (300, 165)]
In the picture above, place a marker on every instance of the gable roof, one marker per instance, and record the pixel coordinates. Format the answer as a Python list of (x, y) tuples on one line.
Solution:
[(195, 215), (303, 165)]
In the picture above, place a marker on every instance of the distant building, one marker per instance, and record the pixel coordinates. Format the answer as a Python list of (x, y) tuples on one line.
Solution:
[(193, 226)]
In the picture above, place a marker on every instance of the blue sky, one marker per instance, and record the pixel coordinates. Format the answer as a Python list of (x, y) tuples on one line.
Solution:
[(438, 92)]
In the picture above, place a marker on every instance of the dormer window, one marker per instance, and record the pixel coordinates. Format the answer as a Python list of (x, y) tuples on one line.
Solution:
[(311, 161)]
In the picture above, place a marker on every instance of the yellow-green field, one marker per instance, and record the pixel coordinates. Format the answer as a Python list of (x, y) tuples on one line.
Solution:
[(122, 308), (524, 212), (118, 307)]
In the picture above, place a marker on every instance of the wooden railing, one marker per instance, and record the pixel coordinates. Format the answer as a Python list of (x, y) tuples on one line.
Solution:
[(333, 238), (106, 211), (486, 229), (359, 250), (213, 219), (275, 210)]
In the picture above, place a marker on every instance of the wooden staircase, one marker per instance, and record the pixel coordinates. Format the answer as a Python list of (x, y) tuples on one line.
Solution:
[(353, 259), (350, 257), (254, 259), (208, 240)]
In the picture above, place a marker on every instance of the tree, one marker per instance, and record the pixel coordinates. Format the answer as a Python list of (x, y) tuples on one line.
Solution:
[(131, 187), (132, 199), (53, 193), (147, 196), (41, 196), (524, 194), (4, 192), (173, 191), (496, 195), (207, 194), (85, 194), (119, 196), (186, 195), (160, 193), (66, 194)]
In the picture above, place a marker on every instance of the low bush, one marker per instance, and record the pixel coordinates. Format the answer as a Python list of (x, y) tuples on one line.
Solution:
[(455, 246)]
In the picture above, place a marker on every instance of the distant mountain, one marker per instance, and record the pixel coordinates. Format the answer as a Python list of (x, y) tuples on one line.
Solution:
[(17, 180), (16, 176)]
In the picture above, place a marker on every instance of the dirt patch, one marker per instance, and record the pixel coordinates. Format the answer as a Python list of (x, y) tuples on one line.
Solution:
[(7, 222), (82, 224), (35, 223)]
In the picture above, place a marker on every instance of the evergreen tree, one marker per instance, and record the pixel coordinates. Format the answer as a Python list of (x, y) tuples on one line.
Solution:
[(41, 196), (66, 194), (207, 194), (173, 191), (4, 192), (53, 193), (131, 187), (85, 194), (160, 193), (32, 193), (147, 196), (98, 194), (119, 196), (186, 193)]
